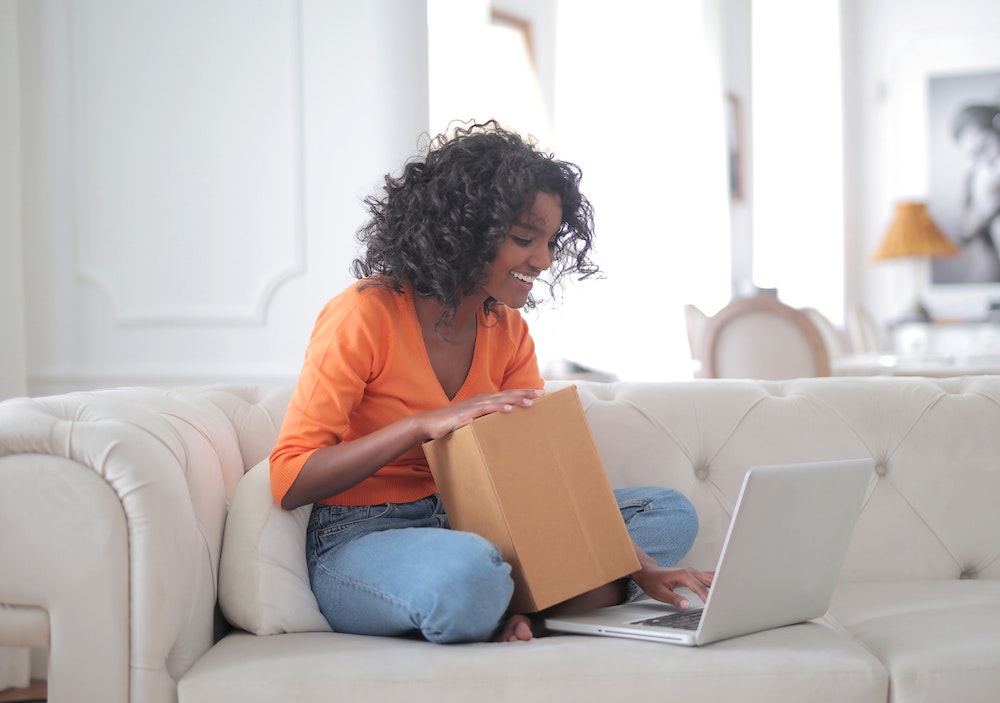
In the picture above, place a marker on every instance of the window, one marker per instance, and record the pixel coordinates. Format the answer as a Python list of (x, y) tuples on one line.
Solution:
[(798, 146), (637, 104)]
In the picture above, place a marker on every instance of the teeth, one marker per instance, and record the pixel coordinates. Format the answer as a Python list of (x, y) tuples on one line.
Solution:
[(522, 277)]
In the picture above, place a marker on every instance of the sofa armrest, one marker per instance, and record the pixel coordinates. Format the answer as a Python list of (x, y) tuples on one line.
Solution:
[(65, 551), (113, 506)]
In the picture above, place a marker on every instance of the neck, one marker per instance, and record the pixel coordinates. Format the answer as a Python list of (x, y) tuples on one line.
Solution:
[(429, 313)]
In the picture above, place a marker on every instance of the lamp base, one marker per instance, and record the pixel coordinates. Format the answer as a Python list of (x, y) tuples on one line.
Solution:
[(917, 313)]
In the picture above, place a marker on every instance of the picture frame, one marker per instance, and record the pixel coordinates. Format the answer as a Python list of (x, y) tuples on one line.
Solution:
[(964, 173)]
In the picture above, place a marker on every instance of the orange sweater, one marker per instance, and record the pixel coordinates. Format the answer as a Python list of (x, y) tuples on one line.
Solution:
[(366, 366)]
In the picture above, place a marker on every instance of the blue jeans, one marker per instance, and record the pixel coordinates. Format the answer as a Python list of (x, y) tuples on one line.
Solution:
[(391, 570)]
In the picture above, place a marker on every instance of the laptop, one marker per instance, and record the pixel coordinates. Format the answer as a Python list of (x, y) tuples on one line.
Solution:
[(779, 565)]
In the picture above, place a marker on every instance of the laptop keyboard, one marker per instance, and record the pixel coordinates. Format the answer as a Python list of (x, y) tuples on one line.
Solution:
[(687, 620)]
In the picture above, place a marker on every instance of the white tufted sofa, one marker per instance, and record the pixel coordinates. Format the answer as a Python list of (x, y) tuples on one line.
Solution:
[(113, 513)]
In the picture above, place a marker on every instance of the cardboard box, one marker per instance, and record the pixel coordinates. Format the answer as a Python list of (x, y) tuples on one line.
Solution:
[(531, 481)]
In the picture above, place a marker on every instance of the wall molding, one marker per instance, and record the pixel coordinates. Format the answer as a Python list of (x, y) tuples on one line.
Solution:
[(218, 289), (56, 383)]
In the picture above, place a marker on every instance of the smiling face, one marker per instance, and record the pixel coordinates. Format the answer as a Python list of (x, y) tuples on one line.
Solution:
[(526, 252)]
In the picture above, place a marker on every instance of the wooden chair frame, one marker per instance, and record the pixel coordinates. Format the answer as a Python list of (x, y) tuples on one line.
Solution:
[(761, 304)]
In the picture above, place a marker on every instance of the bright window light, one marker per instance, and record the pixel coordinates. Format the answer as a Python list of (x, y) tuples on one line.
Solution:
[(798, 163)]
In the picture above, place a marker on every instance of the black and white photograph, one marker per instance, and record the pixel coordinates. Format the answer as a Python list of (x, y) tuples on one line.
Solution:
[(964, 174)]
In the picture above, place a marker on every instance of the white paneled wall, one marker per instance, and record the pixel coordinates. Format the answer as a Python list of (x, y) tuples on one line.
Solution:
[(187, 148), (192, 177), (12, 352)]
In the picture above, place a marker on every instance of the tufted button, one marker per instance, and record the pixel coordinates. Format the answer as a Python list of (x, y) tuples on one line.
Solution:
[(880, 469), (701, 474)]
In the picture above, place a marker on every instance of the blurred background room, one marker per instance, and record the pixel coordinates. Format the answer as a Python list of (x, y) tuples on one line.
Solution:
[(182, 181)]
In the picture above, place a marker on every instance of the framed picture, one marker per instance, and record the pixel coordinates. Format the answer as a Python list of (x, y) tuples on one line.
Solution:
[(734, 145), (964, 173)]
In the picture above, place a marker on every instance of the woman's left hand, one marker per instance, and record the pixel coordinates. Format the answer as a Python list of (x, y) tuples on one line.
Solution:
[(659, 582)]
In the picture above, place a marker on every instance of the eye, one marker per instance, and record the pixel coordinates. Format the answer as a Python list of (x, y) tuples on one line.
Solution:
[(522, 241)]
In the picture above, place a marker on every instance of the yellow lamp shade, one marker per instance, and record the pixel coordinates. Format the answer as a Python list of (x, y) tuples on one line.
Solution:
[(913, 233)]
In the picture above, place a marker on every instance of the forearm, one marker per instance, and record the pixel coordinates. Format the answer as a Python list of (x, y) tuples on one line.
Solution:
[(335, 468), (330, 470)]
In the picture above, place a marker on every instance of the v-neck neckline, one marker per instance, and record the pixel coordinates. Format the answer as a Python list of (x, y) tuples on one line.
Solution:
[(418, 332)]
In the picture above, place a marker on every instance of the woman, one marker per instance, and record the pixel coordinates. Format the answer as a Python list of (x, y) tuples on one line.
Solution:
[(976, 131), (429, 339)]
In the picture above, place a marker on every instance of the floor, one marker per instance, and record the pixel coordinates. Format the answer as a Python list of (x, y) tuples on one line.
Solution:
[(37, 691)]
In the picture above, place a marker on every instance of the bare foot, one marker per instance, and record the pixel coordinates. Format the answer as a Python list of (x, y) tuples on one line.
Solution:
[(517, 628)]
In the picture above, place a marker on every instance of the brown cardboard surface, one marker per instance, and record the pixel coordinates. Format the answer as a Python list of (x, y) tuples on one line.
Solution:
[(532, 482)]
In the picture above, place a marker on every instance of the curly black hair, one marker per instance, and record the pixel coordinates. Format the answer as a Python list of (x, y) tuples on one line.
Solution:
[(438, 225)]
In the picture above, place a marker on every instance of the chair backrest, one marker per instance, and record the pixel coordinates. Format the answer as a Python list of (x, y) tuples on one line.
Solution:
[(864, 334), (836, 338), (695, 320), (762, 338)]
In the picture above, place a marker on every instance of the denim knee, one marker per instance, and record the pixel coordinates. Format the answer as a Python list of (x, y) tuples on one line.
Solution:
[(469, 598), (450, 586), (661, 521)]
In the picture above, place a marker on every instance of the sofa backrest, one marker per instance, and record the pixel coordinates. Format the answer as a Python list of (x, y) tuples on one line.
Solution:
[(931, 510), (255, 413)]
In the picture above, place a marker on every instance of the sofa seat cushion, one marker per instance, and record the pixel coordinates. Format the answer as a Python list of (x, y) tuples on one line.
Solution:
[(940, 640), (807, 662)]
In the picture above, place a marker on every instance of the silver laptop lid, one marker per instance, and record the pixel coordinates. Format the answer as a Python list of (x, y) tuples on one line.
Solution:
[(779, 563), (785, 546)]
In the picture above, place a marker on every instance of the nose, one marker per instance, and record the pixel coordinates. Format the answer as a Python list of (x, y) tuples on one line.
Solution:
[(541, 260)]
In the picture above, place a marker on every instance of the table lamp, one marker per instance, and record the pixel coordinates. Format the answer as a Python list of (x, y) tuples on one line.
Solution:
[(914, 235)]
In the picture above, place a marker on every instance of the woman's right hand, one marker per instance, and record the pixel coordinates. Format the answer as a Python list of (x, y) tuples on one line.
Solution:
[(439, 422)]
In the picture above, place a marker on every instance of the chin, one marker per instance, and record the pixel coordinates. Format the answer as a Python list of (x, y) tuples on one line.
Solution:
[(515, 303)]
